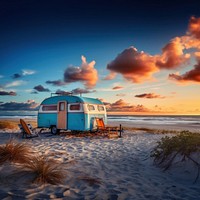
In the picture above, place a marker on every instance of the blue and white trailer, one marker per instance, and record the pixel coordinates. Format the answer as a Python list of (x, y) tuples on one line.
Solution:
[(70, 113)]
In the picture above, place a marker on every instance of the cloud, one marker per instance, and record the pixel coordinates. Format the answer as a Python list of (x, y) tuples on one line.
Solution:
[(5, 93), (150, 96), (110, 76), (135, 66), (14, 84), (26, 72), (82, 91), (122, 106), (194, 27), (139, 67), (40, 88), (86, 73), (15, 76), (172, 55), (13, 106), (56, 82), (117, 87), (190, 76), (62, 92)]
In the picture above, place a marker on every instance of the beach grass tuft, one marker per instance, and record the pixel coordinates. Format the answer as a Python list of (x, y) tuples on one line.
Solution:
[(182, 146), (45, 170), (14, 152), (7, 125)]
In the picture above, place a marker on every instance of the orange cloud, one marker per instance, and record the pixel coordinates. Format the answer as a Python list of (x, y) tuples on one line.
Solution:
[(190, 42), (190, 76), (133, 65), (110, 76), (117, 87), (121, 105), (150, 96), (172, 55), (86, 73), (194, 27), (138, 67)]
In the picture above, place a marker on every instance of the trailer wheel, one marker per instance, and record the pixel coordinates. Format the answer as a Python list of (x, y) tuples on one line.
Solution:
[(54, 130)]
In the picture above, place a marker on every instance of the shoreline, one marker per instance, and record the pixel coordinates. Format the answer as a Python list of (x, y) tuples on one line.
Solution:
[(125, 124)]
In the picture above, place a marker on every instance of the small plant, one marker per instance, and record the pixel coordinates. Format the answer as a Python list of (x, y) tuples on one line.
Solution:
[(183, 145), (6, 124), (45, 170), (14, 152)]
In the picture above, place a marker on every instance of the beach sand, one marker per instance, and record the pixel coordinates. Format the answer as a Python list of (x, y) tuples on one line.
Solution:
[(99, 168)]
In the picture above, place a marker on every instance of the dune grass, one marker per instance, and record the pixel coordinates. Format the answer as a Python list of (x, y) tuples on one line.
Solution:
[(7, 125), (13, 123), (45, 170), (14, 152), (184, 145)]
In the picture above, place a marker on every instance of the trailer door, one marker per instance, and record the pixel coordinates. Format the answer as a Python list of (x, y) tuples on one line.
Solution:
[(62, 115)]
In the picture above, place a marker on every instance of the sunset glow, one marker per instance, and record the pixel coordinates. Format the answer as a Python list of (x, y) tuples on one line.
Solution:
[(135, 65)]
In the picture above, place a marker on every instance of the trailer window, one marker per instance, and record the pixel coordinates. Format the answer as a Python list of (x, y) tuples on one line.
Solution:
[(100, 108), (75, 107), (49, 108), (91, 107), (61, 106)]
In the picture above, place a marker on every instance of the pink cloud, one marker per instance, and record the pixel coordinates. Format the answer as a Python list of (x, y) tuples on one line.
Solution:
[(121, 105), (190, 76), (194, 27), (172, 55), (117, 87), (133, 65), (110, 76), (139, 67), (150, 96), (86, 73)]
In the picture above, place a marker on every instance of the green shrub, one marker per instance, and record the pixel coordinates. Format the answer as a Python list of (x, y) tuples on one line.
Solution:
[(182, 145)]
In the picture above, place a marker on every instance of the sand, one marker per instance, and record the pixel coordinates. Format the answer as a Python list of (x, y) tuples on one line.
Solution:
[(161, 126), (100, 168)]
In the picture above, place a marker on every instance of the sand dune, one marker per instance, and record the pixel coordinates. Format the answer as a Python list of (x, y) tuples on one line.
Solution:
[(99, 168)]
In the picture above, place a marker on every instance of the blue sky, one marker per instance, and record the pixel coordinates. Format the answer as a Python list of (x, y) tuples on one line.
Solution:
[(40, 40)]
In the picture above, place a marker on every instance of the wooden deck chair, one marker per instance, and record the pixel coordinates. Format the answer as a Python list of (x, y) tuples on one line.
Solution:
[(110, 131), (27, 130)]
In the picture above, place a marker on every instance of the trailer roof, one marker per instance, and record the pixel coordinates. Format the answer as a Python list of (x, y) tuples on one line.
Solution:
[(71, 99)]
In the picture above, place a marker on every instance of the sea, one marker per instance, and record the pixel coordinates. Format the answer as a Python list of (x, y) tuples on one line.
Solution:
[(133, 119), (156, 119)]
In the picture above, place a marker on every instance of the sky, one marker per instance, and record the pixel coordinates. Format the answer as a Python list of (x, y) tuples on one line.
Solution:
[(139, 57)]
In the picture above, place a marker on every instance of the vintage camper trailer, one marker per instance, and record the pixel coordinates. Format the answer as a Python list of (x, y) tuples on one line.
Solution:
[(70, 113)]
